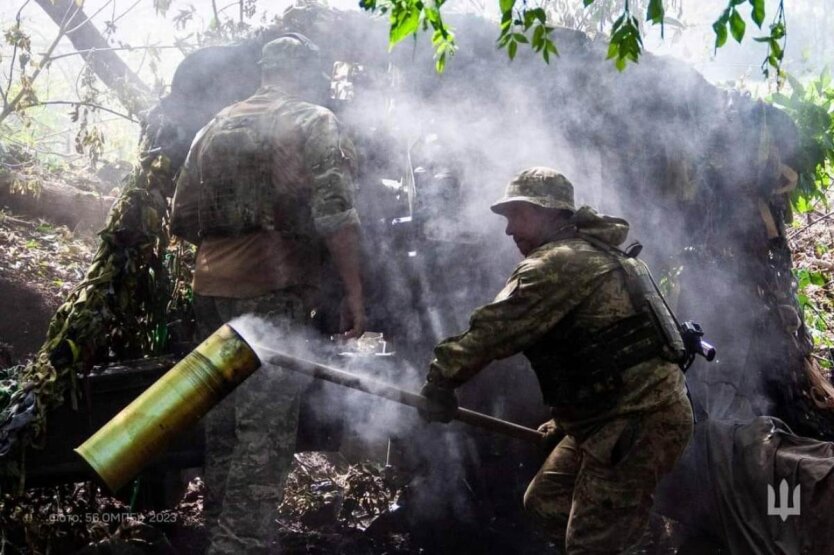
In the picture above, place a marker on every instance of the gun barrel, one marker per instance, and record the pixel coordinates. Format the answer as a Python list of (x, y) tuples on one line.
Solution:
[(392, 393)]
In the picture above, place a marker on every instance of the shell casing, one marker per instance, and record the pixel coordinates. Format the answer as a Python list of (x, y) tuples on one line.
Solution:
[(183, 395)]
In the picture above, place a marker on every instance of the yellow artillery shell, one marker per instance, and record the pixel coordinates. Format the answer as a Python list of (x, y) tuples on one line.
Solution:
[(143, 429)]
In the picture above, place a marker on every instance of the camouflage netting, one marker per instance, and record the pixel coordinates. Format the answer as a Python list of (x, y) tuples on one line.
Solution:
[(119, 311), (703, 175)]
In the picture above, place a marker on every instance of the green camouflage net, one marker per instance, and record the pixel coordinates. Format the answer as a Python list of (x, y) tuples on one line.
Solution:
[(117, 312)]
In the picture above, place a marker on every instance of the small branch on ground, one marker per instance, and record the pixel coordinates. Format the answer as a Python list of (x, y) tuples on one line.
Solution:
[(810, 224)]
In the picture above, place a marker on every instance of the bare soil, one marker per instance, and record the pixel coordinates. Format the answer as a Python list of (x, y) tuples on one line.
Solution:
[(39, 264)]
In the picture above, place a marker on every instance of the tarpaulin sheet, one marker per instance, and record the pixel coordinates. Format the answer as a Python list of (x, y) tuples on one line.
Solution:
[(720, 488)]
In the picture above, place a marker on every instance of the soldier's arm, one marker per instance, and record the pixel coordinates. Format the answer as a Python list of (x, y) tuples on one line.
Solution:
[(343, 246), (531, 303), (331, 163)]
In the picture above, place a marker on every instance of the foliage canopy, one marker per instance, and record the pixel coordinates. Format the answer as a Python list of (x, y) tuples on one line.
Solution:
[(531, 23)]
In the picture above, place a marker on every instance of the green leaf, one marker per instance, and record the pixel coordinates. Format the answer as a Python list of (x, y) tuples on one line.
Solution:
[(655, 12), (802, 278), (529, 18), (520, 37), (540, 14), (737, 25), (817, 278), (720, 28), (802, 205), (587, 3), (512, 48), (506, 5), (538, 38), (76, 352), (613, 49), (758, 13), (626, 44), (440, 64), (776, 49), (405, 19)]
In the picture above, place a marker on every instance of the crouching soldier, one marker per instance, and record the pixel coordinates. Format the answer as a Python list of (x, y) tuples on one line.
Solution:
[(604, 347)]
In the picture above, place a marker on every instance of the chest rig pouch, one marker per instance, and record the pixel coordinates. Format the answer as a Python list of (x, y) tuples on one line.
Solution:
[(580, 372)]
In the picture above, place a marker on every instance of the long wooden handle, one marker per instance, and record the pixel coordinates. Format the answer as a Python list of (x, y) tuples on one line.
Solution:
[(392, 393)]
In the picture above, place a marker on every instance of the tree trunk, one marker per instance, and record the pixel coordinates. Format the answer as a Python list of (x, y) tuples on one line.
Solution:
[(131, 91), (59, 204)]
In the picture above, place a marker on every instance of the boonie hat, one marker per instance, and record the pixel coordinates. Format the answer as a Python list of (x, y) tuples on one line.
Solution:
[(541, 186)]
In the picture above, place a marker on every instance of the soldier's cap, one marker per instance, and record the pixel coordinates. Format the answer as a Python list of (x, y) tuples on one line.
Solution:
[(541, 186), (288, 51)]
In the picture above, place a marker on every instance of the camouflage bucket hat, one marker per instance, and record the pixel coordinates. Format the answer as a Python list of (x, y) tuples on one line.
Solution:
[(541, 186), (290, 51)]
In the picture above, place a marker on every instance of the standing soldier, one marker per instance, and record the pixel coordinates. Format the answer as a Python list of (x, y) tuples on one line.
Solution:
[(604, 347), (267, 188)]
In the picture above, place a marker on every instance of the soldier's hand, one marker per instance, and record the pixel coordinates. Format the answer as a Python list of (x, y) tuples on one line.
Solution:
[(553, 434), (441, 403), (352, 317)]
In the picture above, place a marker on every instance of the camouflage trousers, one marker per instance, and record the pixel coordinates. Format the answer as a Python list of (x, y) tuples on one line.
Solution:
[(595, 496), (250, 435)]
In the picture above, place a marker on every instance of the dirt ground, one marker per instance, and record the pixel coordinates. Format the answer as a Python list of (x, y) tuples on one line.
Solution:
[(330, 506), (25, 332), (39, 265)]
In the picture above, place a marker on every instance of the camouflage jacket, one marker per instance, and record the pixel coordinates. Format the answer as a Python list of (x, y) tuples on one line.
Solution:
[(565, 278), (312, 174), (313, 165)]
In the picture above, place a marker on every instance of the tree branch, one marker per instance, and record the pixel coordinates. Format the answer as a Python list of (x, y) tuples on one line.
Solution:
[(131, 91), (89, 104), (124, 13), (89, 18), (14, 57), (12, 106), (113, 49), (806, 226)]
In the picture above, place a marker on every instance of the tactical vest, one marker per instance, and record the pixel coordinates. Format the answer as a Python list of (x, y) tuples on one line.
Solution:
[(236, 194), (580, 372)]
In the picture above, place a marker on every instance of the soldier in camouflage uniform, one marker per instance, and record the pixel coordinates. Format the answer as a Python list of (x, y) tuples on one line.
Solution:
[(266, 191), (604, 364)]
